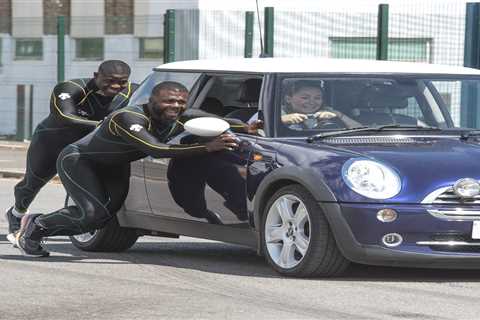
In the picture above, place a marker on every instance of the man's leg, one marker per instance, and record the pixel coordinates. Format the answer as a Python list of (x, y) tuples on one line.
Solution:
[(81, 180), (116, 182), (224, 177), (186, 181), (40, 168)]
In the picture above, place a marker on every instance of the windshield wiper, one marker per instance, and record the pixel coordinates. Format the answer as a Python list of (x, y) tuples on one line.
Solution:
[(366, 128), (470, 133)]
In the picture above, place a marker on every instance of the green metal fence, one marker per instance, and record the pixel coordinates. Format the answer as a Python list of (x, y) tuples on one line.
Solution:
[(37, 53)]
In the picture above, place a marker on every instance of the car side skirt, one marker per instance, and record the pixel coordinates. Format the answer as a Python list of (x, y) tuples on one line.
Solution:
[(241, 234)]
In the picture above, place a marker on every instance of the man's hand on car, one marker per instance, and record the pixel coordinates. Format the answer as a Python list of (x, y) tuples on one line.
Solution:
[(225, 141), (253, 127)]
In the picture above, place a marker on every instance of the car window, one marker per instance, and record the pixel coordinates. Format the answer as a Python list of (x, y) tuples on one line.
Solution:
[(456, 95), (142, 94), (319, 104), (232, 96)]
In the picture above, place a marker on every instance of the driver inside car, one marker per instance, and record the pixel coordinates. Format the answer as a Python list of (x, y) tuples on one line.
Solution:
[(304, 108)]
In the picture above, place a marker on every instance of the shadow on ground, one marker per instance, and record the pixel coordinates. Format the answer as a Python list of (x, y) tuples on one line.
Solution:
[(223, 258)]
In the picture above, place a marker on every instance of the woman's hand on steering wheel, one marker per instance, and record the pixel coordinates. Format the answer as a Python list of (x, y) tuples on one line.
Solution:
[(293, 118), (324, 115)]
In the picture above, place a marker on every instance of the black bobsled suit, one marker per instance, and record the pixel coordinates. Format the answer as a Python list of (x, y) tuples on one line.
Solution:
[(75, 110), (96, 169)]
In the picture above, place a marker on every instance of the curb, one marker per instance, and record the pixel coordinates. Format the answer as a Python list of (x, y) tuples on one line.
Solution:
[(9, 174), (13, 146)]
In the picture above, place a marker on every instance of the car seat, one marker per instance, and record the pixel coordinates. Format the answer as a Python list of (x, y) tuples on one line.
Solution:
[(376, 105), (212, 105), (249, 93)]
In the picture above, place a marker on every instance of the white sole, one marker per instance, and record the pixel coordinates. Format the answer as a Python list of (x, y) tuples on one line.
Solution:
[(12, 240)]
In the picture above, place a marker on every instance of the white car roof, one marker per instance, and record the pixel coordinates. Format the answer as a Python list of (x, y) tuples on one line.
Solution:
[(313, 65)]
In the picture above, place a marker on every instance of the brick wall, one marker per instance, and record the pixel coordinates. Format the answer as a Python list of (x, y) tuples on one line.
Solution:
[(5, 16), (119, 16), (52, 9)]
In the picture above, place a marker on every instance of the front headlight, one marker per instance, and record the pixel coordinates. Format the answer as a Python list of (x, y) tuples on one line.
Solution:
[(371, 179)]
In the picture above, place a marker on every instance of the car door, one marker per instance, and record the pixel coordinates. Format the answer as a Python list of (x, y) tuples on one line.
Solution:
[(214, 182), (220, 179), (137, 200)]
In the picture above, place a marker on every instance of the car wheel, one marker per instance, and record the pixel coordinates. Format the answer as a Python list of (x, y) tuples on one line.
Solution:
[(111, 238), (296, 238)]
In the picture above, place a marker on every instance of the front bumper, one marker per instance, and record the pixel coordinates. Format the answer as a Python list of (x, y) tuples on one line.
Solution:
[(358, 234)]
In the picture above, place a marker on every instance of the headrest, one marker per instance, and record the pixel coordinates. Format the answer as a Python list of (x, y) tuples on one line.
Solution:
[(382, 96), (212, 105), (250, 90)]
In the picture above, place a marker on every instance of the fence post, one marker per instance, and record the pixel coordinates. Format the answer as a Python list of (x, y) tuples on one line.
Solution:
[(248, 34), (471, 58), (268, 32), (24, 111), (382, 32), (60, 48), (169, 36)]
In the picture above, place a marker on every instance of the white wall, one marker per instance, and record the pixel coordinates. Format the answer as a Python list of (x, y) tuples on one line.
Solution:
[(87, 18), (27, 10)]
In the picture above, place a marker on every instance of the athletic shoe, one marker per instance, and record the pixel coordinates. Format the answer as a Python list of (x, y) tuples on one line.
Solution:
[(28, 246), (13, 221), (212, 217), (11, 238)]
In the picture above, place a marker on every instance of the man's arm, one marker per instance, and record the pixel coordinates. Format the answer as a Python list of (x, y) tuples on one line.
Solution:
[(63, 105), (133, 128)]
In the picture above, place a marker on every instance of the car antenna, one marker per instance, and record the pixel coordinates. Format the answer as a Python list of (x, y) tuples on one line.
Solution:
[(262, 52)]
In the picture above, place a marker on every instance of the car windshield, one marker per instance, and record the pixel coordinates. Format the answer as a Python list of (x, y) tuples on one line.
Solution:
[(313, 105)]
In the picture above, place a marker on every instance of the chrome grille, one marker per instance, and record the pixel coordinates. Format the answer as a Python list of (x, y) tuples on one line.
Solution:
[(456, 208), (448, 196)]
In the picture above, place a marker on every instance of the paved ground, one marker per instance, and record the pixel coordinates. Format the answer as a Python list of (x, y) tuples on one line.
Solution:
[(196, 279)]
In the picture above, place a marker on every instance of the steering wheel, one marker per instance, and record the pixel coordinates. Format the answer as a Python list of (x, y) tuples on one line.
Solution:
[(313, 122)]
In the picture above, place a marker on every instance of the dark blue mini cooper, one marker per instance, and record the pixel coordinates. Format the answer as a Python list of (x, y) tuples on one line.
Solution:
[(358, 161)]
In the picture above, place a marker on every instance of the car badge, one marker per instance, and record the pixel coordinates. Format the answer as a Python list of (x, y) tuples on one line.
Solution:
[(466, 188)]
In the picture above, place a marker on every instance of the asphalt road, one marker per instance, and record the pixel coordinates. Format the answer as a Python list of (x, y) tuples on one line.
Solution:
[(196, 279)]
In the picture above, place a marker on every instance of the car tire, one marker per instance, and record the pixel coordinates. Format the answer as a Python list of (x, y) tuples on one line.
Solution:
[(299, 241), (111, 238)]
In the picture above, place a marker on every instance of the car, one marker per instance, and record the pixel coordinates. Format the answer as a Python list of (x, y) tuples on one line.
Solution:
[(377, 175)]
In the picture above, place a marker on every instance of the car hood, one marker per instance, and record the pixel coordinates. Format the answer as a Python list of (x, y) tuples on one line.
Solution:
[(424, 164)]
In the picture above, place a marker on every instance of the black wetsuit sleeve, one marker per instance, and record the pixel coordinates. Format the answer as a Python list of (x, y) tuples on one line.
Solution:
[(133, 128), (235, 124), (63, 105)]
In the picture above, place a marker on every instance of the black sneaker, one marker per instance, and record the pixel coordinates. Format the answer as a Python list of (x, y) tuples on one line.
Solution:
[(13, 221), (28, 246), (212, 217)]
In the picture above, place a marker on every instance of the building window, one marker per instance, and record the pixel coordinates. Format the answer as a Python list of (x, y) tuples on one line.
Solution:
[(119, 16), (5, 16), (399, 49), (51, 10), (151, 48), (89, 48), (28, 49)]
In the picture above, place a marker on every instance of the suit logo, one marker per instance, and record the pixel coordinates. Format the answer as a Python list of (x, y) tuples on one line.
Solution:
[(64, 96), (82, 113), (136, 127)]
